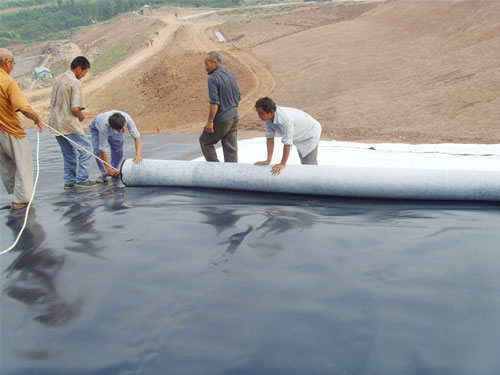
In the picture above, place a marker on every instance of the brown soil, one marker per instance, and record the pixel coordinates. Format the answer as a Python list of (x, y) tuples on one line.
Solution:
[(407, 71), (170, 90), (398, 71)]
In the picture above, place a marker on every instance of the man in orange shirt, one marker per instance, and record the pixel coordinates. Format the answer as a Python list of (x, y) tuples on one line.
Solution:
[(16, 159)]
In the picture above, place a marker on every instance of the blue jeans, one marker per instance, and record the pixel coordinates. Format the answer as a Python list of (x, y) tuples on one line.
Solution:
[(76, 167), (116, 145)]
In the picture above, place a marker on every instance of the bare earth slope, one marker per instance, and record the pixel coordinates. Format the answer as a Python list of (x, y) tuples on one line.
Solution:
[(417, 71), (168, 92), (409, 71)]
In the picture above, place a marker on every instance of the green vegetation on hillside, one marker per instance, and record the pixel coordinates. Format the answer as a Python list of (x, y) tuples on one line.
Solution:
[(38, 24), (111, 57), (8, 4)]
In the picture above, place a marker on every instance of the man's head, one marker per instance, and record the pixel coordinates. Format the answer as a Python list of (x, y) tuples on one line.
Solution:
[(265, 108), (117, 121), (80, 66), (212, 61), (6, 60)]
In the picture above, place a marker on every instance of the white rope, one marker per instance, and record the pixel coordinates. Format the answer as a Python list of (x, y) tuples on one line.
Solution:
[(36, 179), (32, 195), (76, 144)]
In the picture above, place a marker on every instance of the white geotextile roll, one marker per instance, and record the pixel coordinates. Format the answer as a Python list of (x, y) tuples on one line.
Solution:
[(348, 181)]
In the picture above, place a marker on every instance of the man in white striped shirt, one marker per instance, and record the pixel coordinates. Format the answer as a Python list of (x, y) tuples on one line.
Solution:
[(295, 126)]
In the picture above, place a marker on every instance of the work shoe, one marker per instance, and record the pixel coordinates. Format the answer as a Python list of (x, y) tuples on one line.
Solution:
[(101, 180), (87, 183), (14, 206), (69, 186)]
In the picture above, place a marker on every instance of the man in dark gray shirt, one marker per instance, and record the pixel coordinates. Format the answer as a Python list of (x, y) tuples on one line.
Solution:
[(223, 117)]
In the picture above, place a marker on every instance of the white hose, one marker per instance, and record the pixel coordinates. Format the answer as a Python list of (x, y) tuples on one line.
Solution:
[(36, 179)]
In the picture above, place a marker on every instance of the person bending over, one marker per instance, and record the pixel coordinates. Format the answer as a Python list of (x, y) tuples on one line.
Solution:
[(295, 126), (108, 127)]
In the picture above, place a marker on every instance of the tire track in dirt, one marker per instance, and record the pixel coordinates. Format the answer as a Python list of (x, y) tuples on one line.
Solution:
[(264, 81), (199, 37), (261, 75)]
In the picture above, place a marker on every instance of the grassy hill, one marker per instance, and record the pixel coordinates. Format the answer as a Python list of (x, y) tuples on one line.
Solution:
[(29, 21)]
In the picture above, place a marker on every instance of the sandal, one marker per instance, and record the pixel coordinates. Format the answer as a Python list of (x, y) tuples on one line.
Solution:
[(18, 206)]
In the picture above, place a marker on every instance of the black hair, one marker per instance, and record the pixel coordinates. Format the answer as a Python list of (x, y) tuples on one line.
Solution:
[(116, 121), (267, 104), (80, 61)]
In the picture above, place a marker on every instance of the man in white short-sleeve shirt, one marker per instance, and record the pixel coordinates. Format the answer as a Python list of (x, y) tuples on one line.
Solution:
[(296, 128)]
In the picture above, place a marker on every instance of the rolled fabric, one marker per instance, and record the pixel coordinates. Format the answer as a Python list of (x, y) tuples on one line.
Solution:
[(325, 180)]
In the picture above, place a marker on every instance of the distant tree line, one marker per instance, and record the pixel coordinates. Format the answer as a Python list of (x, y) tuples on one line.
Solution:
[(7, 4), (38, 24)]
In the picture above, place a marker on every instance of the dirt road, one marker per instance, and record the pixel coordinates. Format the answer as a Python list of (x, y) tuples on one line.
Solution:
[(201, 35), (127, 66), (40, 98)]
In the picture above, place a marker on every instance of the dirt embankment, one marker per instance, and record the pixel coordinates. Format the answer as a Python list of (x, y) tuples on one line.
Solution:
[(406, 71), (397, 71), (169, 92)]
